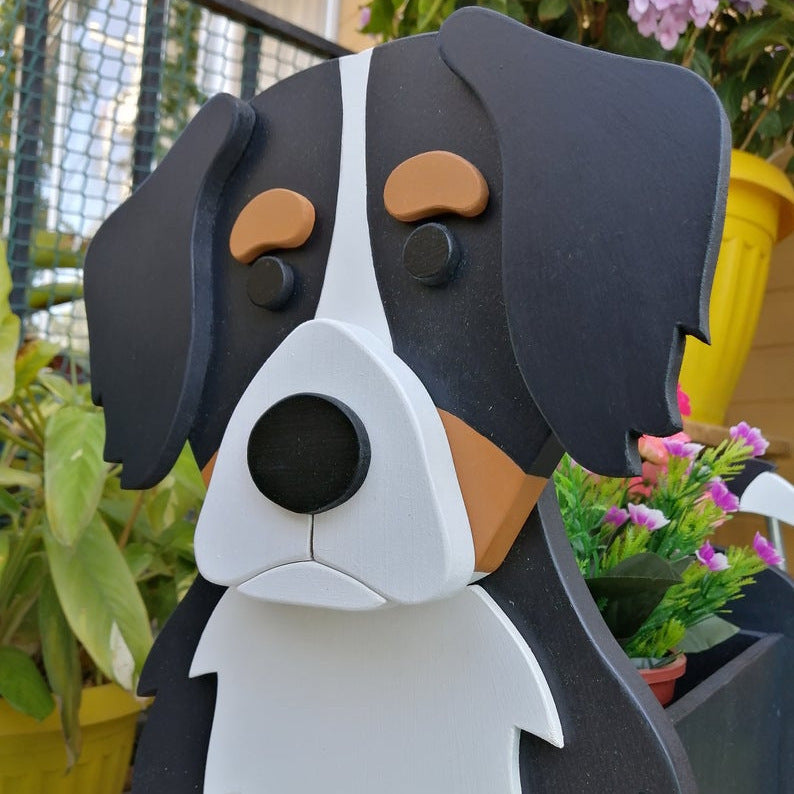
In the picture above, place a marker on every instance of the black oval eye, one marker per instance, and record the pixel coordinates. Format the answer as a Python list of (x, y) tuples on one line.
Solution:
[(431, 254), (270, 282)]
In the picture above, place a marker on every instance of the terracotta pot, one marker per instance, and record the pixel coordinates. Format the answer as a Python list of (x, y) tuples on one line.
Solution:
[(760, 212), (33, 757), (662, 680)]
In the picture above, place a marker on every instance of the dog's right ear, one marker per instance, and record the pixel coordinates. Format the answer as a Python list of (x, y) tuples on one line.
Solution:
[(148, 295)]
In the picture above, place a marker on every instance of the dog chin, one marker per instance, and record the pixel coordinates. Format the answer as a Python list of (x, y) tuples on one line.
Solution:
[(310, 583)]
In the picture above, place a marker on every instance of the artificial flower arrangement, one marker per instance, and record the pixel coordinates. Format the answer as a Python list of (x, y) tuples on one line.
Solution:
[(644, 546)]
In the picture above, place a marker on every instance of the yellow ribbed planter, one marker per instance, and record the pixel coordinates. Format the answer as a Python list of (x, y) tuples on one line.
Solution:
[(33, 758), (760, 212)]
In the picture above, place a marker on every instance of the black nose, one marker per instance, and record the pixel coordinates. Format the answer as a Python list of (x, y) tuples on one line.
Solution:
[(308, 453)]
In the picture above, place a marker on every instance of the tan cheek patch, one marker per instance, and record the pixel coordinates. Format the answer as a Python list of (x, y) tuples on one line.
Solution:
[(433, 183), (206, 472), (498, 495), (277, 218)]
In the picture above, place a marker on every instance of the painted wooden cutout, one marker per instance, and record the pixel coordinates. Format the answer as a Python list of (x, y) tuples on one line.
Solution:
[(559, 325), (275, 219), (446, 674), (435, 183)]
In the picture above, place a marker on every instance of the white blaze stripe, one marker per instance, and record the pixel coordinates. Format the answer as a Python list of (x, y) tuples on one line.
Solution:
[(350, 292)]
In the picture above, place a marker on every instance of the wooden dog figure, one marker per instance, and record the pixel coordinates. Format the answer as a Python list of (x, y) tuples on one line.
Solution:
[(379, 300)]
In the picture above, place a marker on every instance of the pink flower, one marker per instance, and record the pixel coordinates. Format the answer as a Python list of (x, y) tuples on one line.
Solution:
[(713, 560), (364, 17), (719, 493), (653, 450), (615, 516), (647, 517), (765, 550), (751, 437), (684, 404), (682, 449)]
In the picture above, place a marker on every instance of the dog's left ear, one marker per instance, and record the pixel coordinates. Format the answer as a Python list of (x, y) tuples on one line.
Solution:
[(615, 176), (148, 295)]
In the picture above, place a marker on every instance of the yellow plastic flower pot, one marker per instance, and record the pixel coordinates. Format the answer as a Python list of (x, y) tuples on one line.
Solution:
[(760, 212), (33, 757)]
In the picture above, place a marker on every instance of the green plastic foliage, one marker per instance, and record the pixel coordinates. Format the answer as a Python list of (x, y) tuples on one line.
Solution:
[(74, 470), (101, 602), (22, 685), (632, 590), (62, 664), (711, 631)]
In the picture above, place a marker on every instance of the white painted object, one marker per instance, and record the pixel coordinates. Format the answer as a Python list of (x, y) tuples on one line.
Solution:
[(769, 495), (404, 534), (426, 699), (350, 290), (302, 582)]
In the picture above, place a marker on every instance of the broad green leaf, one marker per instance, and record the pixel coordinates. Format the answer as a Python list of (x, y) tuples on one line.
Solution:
[(731, 92), (771, 125), (74, 471), (9, 342), (97, 592), (633, 589), (707, 633), (552, 9), (138, 558), (62, 664), (11, 477), (58, 386), (701, 64), (756, 34), (22, 685), (32, 357)]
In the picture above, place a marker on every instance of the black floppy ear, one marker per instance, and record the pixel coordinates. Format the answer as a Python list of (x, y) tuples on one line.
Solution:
[(615, 175), (148, 295)]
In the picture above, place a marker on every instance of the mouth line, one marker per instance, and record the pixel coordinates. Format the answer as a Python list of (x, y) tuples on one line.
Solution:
[(322, 565)]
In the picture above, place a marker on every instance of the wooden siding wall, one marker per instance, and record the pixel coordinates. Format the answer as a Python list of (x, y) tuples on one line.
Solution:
[(764, 396)]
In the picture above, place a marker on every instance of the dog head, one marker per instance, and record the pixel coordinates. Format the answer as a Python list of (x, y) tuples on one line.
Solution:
[(387, 289)]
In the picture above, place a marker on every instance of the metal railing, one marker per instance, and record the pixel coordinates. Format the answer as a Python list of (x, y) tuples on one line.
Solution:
[(92, 94)]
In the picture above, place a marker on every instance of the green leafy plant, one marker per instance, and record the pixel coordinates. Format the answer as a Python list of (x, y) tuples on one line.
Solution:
[(87, 570), (744, 48), (643, 544)]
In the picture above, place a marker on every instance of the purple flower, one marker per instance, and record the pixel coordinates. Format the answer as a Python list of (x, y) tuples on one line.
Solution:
[(666, 20), (713, 560), (751, 437), (615, 516), (721, 496), (748, 6), (682, 449), (765, 550), (364, 17), (644, 516)]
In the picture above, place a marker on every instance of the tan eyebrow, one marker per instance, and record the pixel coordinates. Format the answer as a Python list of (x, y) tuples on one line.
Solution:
[(277, 218), (433, 183)]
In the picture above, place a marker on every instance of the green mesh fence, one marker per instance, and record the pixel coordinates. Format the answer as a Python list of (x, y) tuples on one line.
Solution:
[(92, 94)]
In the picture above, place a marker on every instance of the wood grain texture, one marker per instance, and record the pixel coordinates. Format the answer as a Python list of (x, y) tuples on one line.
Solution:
[(275, 219), (435, 183)]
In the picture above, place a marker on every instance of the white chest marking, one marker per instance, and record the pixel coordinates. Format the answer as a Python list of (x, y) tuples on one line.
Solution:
[(425, 699)]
